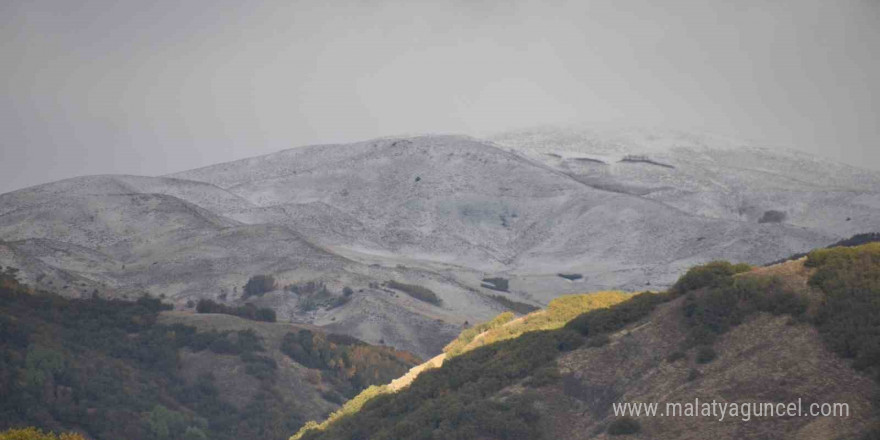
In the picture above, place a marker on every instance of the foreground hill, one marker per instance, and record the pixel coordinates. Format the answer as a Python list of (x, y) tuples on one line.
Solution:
[(542, 213), (803, 330), (135, 370)]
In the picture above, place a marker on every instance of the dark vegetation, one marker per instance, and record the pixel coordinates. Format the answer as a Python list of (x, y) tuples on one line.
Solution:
[(570, 276), (460, 400), (603, 321), (855, 240), (247, 311), (456, 401), (624, 426), (643, 159), (314, 295), (589, 159), (514, 306), (349, 364), (849, 321), (418, 292), (716, 301), (709, 275), (858, 240), (772, 216), (108, 369), (36, 434), (258, 285), (497, 283)]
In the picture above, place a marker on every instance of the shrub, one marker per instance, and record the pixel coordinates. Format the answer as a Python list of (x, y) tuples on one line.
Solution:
[(606, 320), (265, 314), (705, 354), (545, 376), (258, 285), (709, 275), (858, 240), (418, 292), (624, 426), (772, 216), (515, 306), (675, 356), (849, 321), (247, 311)]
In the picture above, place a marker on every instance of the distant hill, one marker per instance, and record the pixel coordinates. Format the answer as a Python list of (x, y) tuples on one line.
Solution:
[(135, 370), (805, 329), (608, 209)]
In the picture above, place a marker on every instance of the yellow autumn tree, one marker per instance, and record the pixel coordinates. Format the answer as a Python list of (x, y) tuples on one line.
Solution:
[(36, 434)]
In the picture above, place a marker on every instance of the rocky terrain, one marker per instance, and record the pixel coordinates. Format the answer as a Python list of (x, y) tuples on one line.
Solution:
[(628, 209)]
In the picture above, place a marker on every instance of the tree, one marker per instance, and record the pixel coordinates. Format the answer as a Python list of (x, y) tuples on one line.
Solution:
[(42, 363), (36, 434), (193, 433), (165, 423), (258, 285)]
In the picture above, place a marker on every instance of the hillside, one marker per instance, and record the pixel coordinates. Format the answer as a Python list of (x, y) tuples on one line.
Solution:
[(803, 329), (136, 370), (544, 212)]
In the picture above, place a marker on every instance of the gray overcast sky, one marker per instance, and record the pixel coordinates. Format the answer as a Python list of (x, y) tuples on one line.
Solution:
[(152, 87)]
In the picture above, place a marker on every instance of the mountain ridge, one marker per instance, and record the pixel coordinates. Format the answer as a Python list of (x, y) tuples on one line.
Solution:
[(441, 211)]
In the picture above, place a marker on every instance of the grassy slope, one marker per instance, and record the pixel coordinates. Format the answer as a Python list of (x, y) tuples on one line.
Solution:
[(821, 311)]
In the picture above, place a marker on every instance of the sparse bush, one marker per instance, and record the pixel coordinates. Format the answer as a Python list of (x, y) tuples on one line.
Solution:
[(418, 292), (514, 306), (675, 356), (624, 426), (247, 311), (705, 354)]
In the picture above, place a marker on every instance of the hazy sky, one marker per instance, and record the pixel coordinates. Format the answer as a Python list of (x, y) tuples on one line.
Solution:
[(152, 87)]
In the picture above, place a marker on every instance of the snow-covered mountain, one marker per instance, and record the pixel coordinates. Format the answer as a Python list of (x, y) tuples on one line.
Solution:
[(618, 207)]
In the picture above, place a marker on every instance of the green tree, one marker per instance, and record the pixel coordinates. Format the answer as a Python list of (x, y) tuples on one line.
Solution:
[(41, 364), (164, 423), (193, 433)]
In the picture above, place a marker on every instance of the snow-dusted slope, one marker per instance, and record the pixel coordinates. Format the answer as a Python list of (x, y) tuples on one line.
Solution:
[(622, 208)]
